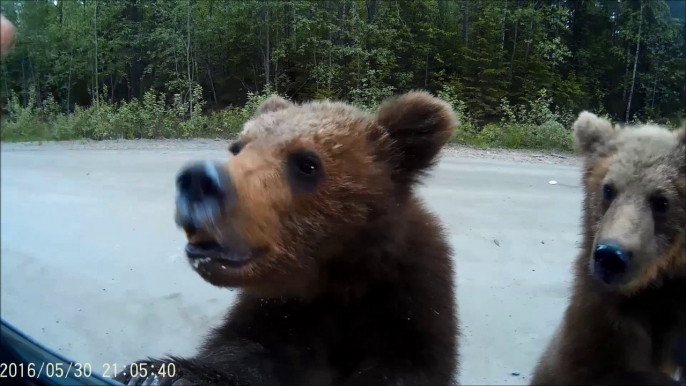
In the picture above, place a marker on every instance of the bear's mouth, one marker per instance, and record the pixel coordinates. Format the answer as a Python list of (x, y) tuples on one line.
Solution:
[(203, 252)]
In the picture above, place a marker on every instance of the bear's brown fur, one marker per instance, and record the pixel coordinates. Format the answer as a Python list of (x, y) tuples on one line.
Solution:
[(626, 329), (351, 278)]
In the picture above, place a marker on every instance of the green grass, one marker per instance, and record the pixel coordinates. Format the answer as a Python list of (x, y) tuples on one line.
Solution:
[(227, 124), (89, 124), (516, 136), (75, 127), (152, 117), (157, 116)]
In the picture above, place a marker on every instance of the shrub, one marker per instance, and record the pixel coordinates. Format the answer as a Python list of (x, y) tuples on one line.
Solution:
[(371, 93), (25, 123), (150, 117), (533, 124), (467, 127)]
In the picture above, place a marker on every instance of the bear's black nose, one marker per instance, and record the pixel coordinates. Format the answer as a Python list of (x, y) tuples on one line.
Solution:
[(202, 190), (610, 261)]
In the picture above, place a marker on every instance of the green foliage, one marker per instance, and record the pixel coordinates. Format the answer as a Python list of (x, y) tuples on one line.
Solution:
[(177, 68), (152, 117), (371, 92), (25, 123), (467, 127), (530, 125)]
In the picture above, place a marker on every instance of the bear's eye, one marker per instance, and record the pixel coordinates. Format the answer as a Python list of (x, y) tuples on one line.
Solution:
[(305, 169), (609, 192), (658, 203), (306, 166), (306, 162), (236, 147)]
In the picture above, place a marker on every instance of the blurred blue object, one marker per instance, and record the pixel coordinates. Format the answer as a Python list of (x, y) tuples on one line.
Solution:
[(17, 349)]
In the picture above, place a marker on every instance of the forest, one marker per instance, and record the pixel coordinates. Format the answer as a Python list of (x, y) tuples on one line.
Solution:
[(516, 71)]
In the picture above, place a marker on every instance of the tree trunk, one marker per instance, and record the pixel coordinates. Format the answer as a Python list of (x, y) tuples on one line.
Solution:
[(129, 85), (341, 13), (626, 72), (112, 84), (426, 70), (196, 73), (267, 53), (555, 20), (316, 78), (529, 41), (358, 70), (254, 77), (502, 38), (295, 28), (330, 78), (652, 102), (656, 68), (36, 80), (514, 49), (633, 77), (7, 88), (371, 16), (188, 57), (628, 66), (24, 87), (176, 63), (209, 74), (95, 36), (71, 58), (615, 20), (276, 76), (372, 6), (465, 24), (531, 38)]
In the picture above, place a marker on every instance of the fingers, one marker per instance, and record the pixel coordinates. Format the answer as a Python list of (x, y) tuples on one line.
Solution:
[(156, 380), (151, 381), (134, 381), (6, 36)]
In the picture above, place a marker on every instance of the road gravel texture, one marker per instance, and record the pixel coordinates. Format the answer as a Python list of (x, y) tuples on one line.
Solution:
[(92, 264)]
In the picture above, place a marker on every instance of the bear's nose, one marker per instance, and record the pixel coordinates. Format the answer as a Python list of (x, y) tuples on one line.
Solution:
[(202, 190), (610, 260)]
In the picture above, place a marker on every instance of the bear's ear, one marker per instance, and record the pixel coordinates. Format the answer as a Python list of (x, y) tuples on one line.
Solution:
[(271, 104), (419, 125), (591, 133), (681, 135)]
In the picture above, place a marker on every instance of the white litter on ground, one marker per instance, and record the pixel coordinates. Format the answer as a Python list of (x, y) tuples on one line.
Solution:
[(552, 182)]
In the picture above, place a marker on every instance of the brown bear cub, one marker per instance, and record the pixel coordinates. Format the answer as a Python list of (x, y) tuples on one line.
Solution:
[(626, 320), (346, 277)]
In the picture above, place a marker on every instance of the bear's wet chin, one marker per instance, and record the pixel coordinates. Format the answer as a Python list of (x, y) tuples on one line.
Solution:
[(205, 252), (218, 272)]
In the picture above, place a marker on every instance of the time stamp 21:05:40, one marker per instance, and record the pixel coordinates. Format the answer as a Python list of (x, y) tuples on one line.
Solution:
[(83, 370)]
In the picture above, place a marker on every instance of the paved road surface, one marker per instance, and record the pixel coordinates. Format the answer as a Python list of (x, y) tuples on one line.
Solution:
[(92, 264)]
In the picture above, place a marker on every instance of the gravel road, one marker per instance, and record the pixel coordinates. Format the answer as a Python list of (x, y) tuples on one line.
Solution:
[(92, 263)]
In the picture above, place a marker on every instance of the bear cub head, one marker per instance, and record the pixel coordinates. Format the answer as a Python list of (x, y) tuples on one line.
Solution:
[(635, 202), (306, 184)]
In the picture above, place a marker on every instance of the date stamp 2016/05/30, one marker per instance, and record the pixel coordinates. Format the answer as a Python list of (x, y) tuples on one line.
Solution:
[(45, 369), (82, 370)]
